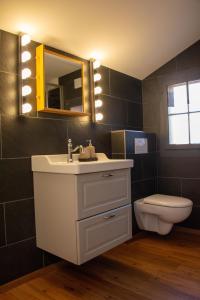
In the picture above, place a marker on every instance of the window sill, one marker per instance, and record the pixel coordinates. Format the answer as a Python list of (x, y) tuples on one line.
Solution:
[(182, 147)]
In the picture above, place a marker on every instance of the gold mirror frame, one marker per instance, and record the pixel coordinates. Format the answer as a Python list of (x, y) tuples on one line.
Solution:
[(40, 83)]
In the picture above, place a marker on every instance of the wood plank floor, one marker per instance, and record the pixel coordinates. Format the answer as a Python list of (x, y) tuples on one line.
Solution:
[(148, 267)]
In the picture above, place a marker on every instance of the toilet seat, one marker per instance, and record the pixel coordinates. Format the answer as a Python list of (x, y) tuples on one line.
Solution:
[(167, 201)]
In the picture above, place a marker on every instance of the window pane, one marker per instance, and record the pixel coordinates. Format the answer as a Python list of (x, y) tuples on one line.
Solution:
[(177, 99), (178, 129), (194, 96), (195, 128)]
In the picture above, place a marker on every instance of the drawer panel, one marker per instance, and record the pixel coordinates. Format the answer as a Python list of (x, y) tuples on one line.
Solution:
[(100, 233), (102, 191)]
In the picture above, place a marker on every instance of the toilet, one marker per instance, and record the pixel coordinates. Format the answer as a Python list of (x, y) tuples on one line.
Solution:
[(159, 213)]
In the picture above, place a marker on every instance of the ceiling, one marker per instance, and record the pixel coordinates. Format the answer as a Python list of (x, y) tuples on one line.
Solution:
[(131, 36)]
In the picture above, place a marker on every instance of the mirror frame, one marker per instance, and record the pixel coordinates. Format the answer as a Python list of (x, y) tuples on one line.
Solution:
[(40, 83)]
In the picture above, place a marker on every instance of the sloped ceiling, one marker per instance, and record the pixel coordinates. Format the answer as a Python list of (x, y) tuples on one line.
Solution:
[(131, 36)]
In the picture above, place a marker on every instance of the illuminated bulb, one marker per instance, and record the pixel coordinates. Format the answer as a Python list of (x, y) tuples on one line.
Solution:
[(25, 39), (97, 90), (26, 55), (99, 117), (96, 64), (98, 103), (26, 108), (26, 90), (97, 77), (26, 73)]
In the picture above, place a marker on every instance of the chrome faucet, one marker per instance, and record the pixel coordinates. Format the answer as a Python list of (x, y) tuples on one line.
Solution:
[(71, 150)]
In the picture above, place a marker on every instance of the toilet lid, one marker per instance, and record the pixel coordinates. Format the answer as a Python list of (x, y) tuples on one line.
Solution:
[(169, 201)]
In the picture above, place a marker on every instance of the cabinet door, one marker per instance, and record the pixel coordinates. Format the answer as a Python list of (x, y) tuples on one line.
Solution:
[(100, 233), (102, 191)]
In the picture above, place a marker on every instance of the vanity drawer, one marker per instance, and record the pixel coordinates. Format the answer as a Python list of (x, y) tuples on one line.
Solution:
[(100, 233), (102, 191)]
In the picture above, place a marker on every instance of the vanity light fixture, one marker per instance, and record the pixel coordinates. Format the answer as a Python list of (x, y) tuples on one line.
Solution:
[(96, 90), (96, 64), (24, 72), (26, 90), (26, 108), (97, 77), (99, 116), (98, 103), (26, 56), (25, 39)]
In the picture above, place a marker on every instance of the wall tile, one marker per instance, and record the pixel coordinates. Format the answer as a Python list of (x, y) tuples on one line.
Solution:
[(24, 137), (134, 115), (186, 167), (19, 259), (189, 58), (143, 188), (8, 52), (169, 186), (2, 226), (125, 87), (20, 220), (9, 93), (105, 79), (16, 180), (191, 190), (114, 111)]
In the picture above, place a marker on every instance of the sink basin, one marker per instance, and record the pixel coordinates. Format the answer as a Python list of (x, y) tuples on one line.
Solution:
[(58, 164)]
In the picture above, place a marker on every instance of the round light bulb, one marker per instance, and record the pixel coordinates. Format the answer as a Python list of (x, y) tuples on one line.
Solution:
[(26, 55), (97, 77), (25, 39), (96, 64), (97, 90), (26, 108), (26, 73), (98, 103), (26, 90), (99, 117)]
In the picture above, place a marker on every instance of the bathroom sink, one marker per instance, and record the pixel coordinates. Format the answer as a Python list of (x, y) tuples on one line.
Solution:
[(58, 164)]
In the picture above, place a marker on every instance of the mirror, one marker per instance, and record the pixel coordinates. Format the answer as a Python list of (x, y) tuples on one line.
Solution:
[(60, 83)]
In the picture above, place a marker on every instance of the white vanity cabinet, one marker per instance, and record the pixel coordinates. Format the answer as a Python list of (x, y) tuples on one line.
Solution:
[(79, 216)]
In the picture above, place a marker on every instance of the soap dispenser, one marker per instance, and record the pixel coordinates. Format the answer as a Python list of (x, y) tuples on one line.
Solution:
[(91, 148)]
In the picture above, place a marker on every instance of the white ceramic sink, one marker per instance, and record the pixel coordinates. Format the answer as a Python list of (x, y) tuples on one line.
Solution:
[(58, 164)]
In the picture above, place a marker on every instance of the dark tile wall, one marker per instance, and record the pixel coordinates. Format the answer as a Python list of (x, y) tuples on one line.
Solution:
[(178, 170), (21, 137), (144, 173)]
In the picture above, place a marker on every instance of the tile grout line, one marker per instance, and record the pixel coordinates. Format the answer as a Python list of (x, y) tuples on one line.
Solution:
[(18, 242)]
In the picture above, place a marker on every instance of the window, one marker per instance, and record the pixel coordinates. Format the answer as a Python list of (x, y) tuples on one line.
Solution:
[(184, 113)]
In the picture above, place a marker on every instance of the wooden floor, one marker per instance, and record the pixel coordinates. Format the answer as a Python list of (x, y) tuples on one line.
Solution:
[(149, 267)]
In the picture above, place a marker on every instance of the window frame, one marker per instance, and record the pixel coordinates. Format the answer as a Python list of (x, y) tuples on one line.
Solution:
[(181, 146)]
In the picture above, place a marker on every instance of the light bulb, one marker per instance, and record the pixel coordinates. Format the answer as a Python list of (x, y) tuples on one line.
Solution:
[(26, 73), (26, 90), (98, 103), (97, 90), (96, 64), (25, 39), (99, 117), (97, 77), (26, 55), (26, 108)]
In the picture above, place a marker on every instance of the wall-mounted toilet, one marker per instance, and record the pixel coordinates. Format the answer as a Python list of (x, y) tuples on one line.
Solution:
[(159, 213)]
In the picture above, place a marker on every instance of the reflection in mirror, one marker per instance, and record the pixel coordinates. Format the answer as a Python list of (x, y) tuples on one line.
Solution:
[(60, 83), (63, 83)]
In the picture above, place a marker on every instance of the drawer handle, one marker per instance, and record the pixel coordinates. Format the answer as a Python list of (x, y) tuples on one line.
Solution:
[(109, 217), (107, 175)]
